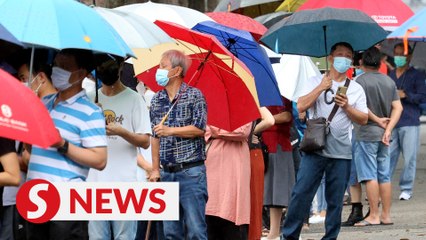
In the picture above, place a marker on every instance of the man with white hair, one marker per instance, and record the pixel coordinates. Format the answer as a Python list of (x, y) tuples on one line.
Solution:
[(178, 144)]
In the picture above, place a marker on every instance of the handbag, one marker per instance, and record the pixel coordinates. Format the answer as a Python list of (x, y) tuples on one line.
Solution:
[(317, 129)]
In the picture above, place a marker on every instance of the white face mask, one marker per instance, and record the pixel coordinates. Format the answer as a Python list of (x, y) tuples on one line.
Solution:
[(60, 78), (89, 85)]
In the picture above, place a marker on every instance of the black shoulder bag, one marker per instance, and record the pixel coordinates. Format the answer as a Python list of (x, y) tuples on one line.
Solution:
[(317, 129)]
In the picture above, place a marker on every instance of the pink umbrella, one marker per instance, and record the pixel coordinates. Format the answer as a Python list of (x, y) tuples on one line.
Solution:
[(240, 22)]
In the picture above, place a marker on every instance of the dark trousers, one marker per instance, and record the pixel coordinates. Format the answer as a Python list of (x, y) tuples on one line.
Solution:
[(311, 171), (58, 230), (156, 232), (12, 224), (221, 229)]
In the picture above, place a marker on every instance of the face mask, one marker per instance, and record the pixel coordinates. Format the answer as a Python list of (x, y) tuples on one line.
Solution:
[(161, 77), (358, 71), (89, 85), (342, 64), (400, 61), (60, 78)]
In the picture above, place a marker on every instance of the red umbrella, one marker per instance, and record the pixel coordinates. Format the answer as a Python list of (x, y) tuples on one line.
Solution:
[(389, 14), (23, 116), (225, 81), (240, 22)]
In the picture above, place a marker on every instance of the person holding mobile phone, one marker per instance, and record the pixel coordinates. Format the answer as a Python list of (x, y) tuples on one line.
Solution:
[(335, 159)]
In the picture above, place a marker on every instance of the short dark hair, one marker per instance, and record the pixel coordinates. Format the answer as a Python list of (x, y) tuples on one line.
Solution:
[(357, 57), (410, 50), (40, 63), (83, 58), (372, 58), (344, 44)]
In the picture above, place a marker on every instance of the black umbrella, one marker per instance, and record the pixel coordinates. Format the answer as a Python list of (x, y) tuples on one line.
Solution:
[(313, 32), (270, 19)]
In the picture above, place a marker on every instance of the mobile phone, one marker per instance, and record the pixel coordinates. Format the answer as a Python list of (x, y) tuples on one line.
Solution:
[(342, 90)]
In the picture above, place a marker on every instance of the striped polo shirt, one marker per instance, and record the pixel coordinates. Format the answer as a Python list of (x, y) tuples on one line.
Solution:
[(80, 122)]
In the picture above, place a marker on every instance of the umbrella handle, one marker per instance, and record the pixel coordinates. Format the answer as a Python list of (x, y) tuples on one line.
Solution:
[(164, 119), (325, 46)]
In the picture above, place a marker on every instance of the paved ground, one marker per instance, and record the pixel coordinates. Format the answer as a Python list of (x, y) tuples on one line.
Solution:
[(409, 216)]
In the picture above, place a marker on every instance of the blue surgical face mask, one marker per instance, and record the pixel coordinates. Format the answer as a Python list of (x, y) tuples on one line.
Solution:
[(400, 61), (342, 64), (358, 71), (161, 77)]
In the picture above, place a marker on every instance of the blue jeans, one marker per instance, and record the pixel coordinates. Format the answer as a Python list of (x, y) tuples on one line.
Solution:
[(407, 141), (192, 199), (101, 230), (311, 171)]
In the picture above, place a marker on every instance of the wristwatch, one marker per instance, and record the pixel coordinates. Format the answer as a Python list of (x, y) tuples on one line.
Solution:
[(63, 149)]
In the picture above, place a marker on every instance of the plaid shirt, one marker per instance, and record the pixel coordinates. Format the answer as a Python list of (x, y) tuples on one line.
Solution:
[(191, 109)]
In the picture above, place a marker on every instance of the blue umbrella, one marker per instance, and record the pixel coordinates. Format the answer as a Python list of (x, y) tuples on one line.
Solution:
[(244, 47), (8, 37), (313, 32), (414, 29), (60, 24)]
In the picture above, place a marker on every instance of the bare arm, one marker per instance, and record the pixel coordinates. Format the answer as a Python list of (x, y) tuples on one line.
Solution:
[(394, 118), (136, 139), (305, 102), (382, 122), (144, 164), (355, 115), (282, 117), (91, 157), (267, 120), (155, 150), (10, 176)]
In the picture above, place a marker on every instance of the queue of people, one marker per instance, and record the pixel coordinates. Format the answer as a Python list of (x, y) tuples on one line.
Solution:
[(225, 177)]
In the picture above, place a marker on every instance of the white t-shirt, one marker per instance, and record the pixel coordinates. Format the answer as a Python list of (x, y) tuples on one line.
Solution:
[(129, 110), (339, 139)]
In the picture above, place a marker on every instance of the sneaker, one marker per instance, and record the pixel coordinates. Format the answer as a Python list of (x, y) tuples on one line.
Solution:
[(316, 219), (404, 196)]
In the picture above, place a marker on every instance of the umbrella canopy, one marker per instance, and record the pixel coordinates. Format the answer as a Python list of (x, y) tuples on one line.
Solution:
[(414, 29), (313, 32), (135, 30), (61, 24), (240, 22), (157, 11), (242, 45), (271, 18), (23, 116), (293, 73), (8, 37), (224, 80), (389, 14)]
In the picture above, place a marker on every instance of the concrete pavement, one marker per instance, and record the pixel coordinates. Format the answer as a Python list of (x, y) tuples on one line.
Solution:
[(409, 217)]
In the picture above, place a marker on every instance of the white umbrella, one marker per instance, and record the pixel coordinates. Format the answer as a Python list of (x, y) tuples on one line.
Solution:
[(135, 30), (157, 11), (293, 73)]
